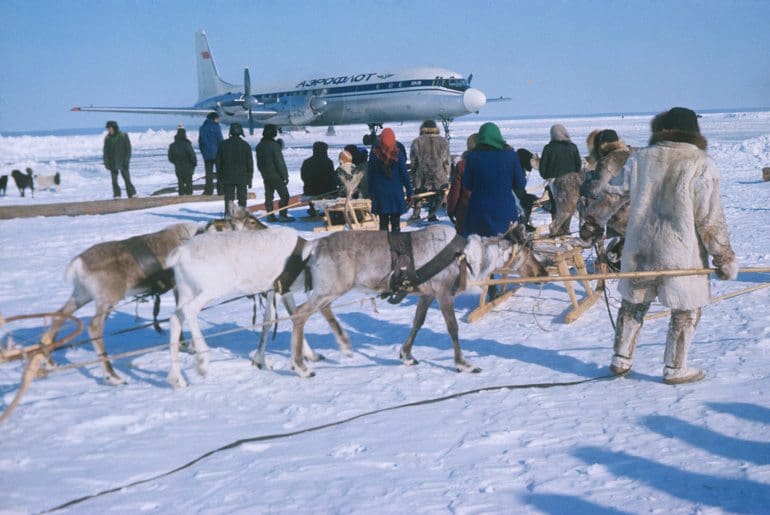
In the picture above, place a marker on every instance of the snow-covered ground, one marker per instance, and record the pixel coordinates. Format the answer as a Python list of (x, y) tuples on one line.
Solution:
[(627, 445)]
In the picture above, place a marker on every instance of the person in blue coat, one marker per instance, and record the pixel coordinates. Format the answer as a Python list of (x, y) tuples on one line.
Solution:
[(209, 139), (387, 178), (490, 171)]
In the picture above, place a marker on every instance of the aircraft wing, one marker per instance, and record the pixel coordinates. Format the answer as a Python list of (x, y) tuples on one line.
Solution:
[(190, 111)]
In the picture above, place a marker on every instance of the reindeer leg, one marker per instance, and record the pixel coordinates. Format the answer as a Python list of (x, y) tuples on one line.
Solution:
[(419, 319), (258, 360), (342, 337), (447, 304), (74, 303), (175, 377), (307, 351), (190, 312), (96, 332), (301, 315)]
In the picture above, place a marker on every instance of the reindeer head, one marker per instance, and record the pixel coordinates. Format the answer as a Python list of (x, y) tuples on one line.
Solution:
[(513, 250), (240, 219)]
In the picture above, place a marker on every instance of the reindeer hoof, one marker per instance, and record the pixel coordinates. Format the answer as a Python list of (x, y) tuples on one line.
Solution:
[(114, 380), (408, 360), (177, 381), (303, 372), (467, 368), (315, 357)]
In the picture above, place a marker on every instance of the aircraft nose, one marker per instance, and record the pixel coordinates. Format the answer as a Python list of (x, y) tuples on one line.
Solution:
[(473, 100)]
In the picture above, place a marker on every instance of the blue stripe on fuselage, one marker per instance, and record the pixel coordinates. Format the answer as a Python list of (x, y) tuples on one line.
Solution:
[(358, 89)]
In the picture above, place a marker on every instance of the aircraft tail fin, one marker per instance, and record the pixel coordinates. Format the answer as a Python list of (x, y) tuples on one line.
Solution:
[(209, 82)]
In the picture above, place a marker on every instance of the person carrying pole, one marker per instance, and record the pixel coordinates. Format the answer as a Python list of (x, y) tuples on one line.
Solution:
[(676, 220)]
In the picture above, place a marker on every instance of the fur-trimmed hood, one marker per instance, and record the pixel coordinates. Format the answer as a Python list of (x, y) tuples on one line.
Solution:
[(432, 131), (679, 136), (611, 146)]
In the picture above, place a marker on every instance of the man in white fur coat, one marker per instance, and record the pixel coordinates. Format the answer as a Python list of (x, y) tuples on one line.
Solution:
[(676, 221)]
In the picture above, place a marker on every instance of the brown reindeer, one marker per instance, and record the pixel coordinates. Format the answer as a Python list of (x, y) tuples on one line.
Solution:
[(110, 271)]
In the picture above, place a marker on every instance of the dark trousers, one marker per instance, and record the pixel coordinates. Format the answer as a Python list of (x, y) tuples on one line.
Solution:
[(394, 221), (185, 185), (230, 191), (212, 179), (271, 188), (130, 190)]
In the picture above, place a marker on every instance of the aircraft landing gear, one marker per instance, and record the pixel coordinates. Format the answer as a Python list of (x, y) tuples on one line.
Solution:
[(370, 138), (445, 123)]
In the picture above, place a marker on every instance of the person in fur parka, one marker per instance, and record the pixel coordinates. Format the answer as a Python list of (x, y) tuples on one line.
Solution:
[(612, 154), (676, 220), (561, 165), (431, 163)]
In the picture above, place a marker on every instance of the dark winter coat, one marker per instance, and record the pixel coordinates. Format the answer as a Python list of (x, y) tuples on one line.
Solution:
[(489, 174), (318, 176), (181, 153), (234, 161), (559, 158), (209, 139), (270, 161), (117, 151), (387, 191)]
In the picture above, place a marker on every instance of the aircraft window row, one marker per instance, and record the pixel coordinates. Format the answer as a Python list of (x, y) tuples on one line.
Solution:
[(456, 84)]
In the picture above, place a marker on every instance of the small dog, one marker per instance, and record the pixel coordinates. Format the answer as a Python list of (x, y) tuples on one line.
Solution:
[(24, 181), (3, 185), (49, 182)]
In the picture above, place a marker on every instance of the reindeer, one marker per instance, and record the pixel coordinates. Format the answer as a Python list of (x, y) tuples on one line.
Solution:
[(347, 260), (110, 271), (216, 265)]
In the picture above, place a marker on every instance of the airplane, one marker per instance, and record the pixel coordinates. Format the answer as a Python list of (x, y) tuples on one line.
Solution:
[(369, 97)]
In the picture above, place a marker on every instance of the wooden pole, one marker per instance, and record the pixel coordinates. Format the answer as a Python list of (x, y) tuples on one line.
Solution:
[(616, 275)]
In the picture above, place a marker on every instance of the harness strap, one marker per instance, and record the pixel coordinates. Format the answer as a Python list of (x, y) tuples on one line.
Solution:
[(157, 280), (406, 280)]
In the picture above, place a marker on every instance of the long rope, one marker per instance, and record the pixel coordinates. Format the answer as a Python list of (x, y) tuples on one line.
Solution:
[(328, 425)]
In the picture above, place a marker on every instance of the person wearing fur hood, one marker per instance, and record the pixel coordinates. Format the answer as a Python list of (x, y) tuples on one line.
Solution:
[(431, 163), (562, 166), (612, 154), (676, 220)]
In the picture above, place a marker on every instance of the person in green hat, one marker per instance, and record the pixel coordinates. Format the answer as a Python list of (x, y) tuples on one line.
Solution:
[(491, 168)]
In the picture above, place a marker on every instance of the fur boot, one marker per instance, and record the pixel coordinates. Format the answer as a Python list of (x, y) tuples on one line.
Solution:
[(680, 332), (627, 328)]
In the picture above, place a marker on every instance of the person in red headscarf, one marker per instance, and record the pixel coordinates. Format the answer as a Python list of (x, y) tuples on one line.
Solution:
[(388, 178)]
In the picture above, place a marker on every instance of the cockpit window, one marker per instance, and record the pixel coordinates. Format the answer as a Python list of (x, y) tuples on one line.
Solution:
[(457, 84)]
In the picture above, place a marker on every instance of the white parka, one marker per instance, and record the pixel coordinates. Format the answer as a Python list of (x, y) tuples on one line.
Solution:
[(676, 219)]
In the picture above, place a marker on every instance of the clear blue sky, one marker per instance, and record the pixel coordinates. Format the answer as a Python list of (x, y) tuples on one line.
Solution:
[(551, 57)]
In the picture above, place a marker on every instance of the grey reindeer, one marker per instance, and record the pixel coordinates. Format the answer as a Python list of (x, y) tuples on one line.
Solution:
[(362, 259)]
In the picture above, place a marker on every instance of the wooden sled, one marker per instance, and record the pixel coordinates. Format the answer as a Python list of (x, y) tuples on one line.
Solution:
[(563, 257), (354, 213)]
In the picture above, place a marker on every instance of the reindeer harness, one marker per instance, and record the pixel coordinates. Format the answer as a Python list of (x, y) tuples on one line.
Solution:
[(157, 279), (404, 279)]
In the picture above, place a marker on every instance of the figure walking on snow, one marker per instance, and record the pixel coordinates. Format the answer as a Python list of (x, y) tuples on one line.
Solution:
[(116, 155), (676, 221)]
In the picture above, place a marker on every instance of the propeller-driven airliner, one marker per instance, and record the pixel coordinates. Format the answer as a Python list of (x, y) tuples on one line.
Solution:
[(367, 97)]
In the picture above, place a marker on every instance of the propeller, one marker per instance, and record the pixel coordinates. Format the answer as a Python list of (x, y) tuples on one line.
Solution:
[(470, 78), (248, 101)]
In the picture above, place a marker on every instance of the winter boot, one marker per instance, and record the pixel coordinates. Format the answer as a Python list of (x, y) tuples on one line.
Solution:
[(627, 327), (680, 332), (283, 217), (272, 219)]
